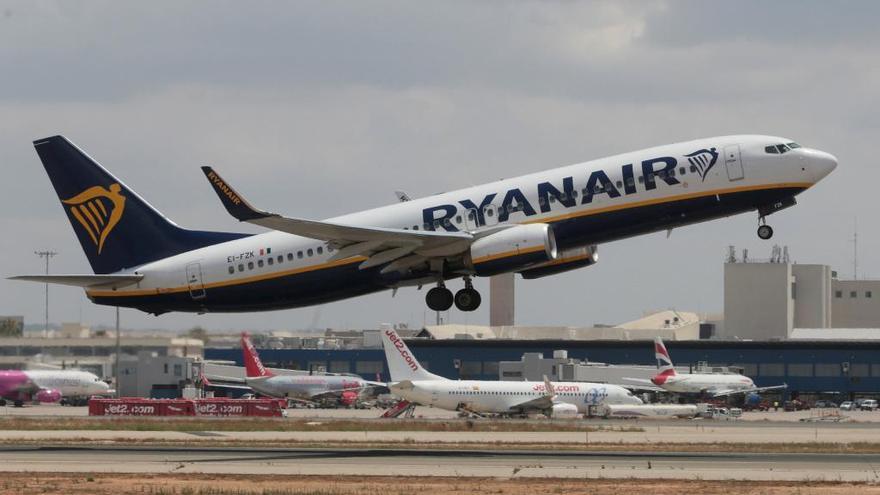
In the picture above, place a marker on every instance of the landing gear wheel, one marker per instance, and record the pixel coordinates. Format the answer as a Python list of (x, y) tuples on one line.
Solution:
[(439, 299), (467, 299), (765, 232)]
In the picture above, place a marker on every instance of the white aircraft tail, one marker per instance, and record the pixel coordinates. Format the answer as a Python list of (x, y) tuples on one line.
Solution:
[(402, 364)]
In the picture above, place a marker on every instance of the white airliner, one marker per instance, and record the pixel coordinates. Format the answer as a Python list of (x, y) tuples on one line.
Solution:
[(48, 385), (345, 389), (562, 399), (536, 225), (711, 384)]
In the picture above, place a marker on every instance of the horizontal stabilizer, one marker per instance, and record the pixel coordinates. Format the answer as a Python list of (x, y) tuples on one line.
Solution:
[(644, 381), (640, 384), (84, 281), (754, 390)]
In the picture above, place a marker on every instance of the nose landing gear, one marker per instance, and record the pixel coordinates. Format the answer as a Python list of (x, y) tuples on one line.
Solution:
[(764, 231)]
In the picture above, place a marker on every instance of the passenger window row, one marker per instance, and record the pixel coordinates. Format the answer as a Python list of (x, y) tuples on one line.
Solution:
[(271, 260)]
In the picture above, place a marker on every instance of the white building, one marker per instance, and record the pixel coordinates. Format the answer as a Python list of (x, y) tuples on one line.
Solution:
[(768, 299)]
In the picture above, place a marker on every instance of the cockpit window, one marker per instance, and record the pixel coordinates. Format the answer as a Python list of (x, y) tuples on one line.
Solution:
[(778, 149)]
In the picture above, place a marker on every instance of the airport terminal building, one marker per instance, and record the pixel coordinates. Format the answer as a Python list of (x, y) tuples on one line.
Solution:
[(808, 367), (782, 323)]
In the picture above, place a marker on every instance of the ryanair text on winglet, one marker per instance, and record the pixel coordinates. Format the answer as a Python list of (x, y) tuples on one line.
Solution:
[(219, 184)]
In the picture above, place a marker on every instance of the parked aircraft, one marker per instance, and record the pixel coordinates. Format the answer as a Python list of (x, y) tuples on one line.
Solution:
[(312, 388), (48, 385), (560, 399), (711, 384), (537, 225)]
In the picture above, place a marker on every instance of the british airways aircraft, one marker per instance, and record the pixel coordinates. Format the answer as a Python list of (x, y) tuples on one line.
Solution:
[(712, 384), (535, 225)]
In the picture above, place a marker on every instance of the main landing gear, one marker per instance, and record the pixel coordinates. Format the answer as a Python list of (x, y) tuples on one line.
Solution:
[(441, 299), (467, 299), (764, 231)]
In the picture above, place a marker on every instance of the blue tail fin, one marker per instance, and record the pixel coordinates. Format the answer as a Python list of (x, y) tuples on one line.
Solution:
[(117, 229)]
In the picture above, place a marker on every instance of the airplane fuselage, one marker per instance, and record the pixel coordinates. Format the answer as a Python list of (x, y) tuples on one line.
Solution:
[(21, 385), (503, 397), (706, 383), (585, 204), (306, 387)]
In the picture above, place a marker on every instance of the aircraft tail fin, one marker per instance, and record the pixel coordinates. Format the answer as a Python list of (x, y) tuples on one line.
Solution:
[(117, 228), (402, 364), (252, 365), (665, 368), (664, 362)]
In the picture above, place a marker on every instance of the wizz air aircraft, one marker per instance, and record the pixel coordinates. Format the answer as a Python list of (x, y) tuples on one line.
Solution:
[(48, 385), (711, 384), (346, 389), (535, 225), (558, 400)]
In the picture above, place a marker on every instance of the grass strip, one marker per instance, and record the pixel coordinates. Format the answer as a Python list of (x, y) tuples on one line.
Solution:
[(198, 424)]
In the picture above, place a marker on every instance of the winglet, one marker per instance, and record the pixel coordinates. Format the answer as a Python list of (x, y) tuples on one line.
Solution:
[(232, 201), (548, 387)]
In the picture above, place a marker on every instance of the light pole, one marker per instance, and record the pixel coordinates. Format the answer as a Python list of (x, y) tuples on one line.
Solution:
[(46, 254), (118, 349)]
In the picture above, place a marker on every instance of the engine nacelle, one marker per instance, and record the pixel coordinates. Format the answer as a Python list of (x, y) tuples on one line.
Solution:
[(48, 395), (563, 411), (569, 259), (348, 397), (511, 249)]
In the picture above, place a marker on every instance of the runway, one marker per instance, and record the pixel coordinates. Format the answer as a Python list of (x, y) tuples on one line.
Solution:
[(456, 463)]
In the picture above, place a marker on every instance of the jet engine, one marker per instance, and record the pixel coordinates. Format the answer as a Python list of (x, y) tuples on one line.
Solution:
[(48, 395), (512, 249), (563, 410), (348, 398), (568, 259)]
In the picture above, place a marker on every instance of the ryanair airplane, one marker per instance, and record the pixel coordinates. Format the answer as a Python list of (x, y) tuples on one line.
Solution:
[(535, 225)]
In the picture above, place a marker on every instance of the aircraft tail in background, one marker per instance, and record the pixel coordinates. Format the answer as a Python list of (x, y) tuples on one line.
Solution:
[(252, 365), (402, 364)]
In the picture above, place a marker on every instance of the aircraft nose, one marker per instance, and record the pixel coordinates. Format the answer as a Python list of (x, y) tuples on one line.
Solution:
[(822, 163)]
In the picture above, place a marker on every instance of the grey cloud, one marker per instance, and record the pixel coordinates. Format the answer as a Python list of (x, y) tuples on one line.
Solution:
[(800, 23), (319, 109)]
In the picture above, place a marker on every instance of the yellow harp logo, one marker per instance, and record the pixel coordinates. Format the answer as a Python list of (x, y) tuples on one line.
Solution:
[(98, 210)]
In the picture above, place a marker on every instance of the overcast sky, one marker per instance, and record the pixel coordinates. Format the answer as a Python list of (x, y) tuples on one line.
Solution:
[(316, 109)]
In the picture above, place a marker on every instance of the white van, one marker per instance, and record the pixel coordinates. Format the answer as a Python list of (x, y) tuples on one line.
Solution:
[(868, 405)]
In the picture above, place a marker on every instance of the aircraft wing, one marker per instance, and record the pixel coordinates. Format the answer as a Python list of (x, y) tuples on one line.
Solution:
[(224, 382), (341, 390), (725, 393), (109, 281), (541, 403), (641, 384), (380, 245), (229, 386)]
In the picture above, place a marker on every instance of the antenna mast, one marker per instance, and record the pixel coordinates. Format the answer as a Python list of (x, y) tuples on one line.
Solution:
[(856, 248), (47, 254)]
